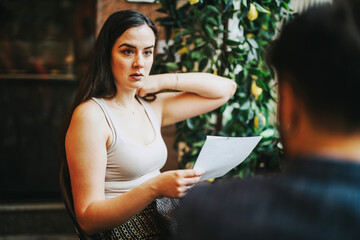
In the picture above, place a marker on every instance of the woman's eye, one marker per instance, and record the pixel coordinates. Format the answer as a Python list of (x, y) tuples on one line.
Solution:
[(128, 52), (148, 53)]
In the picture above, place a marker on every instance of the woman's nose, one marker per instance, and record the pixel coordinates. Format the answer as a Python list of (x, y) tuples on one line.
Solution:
[(138, 61)]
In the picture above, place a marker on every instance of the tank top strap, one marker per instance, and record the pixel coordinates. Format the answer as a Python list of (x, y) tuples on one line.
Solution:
[(106, 112), (153, 118)]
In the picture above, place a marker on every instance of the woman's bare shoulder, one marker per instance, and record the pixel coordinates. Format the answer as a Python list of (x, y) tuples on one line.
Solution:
[(88, 118), (89, 111)]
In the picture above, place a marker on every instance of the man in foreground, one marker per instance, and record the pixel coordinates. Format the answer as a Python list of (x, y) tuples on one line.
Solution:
[(317, 61)]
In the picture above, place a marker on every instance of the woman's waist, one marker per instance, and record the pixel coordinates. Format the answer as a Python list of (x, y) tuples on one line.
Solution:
[(115, 187)]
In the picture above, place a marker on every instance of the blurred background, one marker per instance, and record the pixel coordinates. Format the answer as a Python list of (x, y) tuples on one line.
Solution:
[(44, 51)]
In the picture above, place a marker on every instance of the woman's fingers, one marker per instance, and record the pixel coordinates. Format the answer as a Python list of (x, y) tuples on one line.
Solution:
[(142, 92), (190, 177), (190, 181), (176, 183), (189, 173)]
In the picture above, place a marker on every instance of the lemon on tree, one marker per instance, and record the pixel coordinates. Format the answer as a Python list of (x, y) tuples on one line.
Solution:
[(183, 50), (249, 35), (255, 90), (192, 2), (253, 13), (259, 121)]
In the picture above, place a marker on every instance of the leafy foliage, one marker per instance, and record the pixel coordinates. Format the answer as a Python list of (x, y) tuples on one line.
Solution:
[(228, 38)]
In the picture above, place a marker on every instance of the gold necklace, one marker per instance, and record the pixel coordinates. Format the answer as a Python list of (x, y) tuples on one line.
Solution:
[(119, 107), (123, 109)]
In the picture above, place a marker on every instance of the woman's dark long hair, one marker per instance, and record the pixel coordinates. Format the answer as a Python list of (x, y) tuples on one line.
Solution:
[(99, 81)]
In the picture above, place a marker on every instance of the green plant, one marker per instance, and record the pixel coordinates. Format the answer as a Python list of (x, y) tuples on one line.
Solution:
[(200, 37)]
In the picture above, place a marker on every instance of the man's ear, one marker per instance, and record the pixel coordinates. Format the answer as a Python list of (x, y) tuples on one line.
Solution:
[(291, 118), (289, 114), (287, 107)]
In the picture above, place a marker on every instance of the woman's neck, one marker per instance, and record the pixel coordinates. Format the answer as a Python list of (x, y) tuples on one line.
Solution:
[(125, 100)]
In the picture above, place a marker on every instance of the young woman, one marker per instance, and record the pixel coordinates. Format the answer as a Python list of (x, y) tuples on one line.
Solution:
[(113, 143)]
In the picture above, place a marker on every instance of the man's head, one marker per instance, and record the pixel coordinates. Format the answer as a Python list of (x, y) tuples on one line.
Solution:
[(317, 61)]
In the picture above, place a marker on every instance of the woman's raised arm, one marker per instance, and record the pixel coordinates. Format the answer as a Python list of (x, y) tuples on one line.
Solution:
[(199, 93)]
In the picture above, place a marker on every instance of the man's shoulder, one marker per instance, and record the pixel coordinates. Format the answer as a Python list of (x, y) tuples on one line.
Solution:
[(223, 185), (232, 193), (232, 186), (222, 209), (281, 206)]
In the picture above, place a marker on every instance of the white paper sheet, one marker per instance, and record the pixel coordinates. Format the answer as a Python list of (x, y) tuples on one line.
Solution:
[(221, 154)]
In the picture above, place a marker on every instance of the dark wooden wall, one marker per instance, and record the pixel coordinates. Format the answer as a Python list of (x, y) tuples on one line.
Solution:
[(33, 108)]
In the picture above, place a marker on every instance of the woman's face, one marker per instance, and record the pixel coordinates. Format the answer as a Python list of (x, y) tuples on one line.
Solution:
[(132, 57)]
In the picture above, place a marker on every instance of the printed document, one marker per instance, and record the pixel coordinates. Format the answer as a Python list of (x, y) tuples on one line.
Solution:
[(221, 154)]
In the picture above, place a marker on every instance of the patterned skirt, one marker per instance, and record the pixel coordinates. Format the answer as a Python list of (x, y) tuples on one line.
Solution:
[(155, 222)]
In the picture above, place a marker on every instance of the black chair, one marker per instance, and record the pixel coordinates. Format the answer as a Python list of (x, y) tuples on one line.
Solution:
[(65, 186)]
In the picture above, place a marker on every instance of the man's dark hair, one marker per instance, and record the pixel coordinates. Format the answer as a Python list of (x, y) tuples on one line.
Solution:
[(319, 53)]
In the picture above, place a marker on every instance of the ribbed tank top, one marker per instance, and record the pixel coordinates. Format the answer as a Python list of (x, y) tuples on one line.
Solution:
[(129, 165)]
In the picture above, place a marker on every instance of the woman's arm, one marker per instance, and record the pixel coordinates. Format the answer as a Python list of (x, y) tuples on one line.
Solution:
[(199, 93), (86, 142)]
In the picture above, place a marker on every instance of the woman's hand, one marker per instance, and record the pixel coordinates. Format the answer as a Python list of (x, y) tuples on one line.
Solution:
[(151, 85), (175, 183)]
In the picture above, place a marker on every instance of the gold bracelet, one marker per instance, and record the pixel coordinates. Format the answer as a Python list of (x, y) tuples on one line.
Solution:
[(177, 80)]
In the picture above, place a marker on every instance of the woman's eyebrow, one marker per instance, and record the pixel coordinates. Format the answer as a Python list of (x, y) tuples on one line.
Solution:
[(126, 45), (131, 46)]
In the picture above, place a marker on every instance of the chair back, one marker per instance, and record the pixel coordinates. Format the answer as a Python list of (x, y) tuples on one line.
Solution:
[(66, 192)]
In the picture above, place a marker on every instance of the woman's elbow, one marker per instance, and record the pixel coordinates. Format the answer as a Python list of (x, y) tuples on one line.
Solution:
[(230, 90), (86, 224), (233, 88)]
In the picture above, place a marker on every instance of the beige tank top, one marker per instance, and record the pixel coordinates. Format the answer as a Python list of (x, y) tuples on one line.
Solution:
[(128, 164)]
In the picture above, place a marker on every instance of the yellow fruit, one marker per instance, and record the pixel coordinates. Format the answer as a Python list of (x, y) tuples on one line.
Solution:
[(211, 180), (259, 120), (264, 27), (249, 35), (215, 72), (192, 2), (255, 90), (183, 50), (253, 13)]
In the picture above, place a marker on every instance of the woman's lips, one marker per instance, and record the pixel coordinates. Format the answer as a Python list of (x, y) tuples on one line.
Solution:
[(136, 76)]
